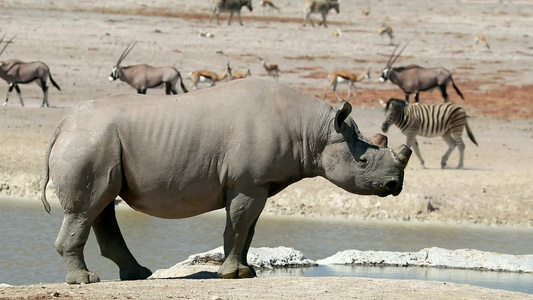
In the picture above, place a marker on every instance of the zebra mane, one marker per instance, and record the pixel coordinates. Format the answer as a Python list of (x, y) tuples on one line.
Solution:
[(393, 102)]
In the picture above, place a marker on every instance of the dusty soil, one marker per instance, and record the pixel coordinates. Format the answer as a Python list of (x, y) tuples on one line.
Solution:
[(81, 41)]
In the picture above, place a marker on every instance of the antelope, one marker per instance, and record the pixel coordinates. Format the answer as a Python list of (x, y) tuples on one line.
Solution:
[(143, 76), (14, 71), (231, 6), (346, 77), (209, 77), (365, 12), (240, 75), (446, 120), (481, 38), (413, 79), (269, 4), (271, 69), (336, 32), (388, 31), (319, 7)]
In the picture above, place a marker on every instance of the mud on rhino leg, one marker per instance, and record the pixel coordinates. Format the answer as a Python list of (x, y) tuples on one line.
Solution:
[(242, 211), (70, 243), (113, 246)]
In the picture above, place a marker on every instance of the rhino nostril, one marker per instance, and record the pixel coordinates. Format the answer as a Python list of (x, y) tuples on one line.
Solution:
[(392, 185)]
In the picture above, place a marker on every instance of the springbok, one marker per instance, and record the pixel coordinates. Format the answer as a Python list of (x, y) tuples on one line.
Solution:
[(319, 7), (366, 12), (271, 68), (268, 4), (346, 77), (336, 32), (481, 38), (413, 79), (209, 77), (446, 120), (231, 6), (240, 75), (143, 76), (14, 71), (386, 30)]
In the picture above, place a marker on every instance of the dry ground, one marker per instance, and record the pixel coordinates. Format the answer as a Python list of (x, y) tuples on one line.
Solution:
[(81, 41)]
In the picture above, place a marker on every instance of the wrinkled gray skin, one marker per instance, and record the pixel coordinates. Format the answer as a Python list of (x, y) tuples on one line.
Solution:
[(230, 146)]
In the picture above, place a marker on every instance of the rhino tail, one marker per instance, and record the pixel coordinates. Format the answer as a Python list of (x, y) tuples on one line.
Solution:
[(46, 176)]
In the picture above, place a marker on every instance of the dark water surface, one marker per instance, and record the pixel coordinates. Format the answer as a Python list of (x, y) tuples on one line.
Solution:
[(28, 256)]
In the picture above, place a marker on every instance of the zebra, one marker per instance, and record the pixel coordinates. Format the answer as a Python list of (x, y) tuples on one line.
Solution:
[(446, 120)]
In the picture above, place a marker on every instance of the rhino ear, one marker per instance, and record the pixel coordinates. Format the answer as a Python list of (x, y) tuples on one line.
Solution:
[(341, 115)]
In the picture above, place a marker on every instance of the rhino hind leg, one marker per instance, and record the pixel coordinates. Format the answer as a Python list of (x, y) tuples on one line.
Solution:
[(242, 211), (70, 243), (113, 246)]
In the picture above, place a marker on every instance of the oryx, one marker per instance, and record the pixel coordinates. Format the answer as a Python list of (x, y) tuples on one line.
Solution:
[(14, 71), (413, 79), (143, 76), (231, 6)]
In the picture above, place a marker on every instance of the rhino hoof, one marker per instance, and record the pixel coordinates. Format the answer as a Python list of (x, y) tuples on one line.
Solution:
[(137, 273), (241, 272), (81, 276)]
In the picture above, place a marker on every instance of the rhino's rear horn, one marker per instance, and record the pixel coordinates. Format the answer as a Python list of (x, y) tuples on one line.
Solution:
[(402, 154)]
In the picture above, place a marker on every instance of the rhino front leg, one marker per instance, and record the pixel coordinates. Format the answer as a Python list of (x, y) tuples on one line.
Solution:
[(242, 211), (113, 246)]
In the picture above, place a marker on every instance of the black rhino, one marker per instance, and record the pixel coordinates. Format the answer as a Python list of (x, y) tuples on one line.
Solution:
[(230, 146)]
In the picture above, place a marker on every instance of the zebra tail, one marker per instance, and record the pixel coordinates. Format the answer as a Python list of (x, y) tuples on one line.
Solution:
[(457, 90), (470, 134)]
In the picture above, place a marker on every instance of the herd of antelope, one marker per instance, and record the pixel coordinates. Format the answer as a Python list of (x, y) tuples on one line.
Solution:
[(411, 79)]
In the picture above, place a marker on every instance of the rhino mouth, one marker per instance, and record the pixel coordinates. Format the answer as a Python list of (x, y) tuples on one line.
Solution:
[(392, 187)]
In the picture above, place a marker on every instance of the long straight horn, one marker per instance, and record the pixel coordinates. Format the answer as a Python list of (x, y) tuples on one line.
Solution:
[(391, 56), (399, 53), (7, 43), (126, 52)]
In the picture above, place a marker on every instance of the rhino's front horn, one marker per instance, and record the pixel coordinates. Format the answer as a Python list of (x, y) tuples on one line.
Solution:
[(379, 140), (402, 154)]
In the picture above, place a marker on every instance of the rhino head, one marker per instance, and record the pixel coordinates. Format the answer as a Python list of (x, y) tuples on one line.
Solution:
[(362, 165)]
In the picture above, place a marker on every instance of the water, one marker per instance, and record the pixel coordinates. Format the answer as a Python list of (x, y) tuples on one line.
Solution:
[(27, 254)]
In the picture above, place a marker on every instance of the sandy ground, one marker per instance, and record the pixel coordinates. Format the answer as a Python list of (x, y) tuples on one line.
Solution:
[(81, 41)]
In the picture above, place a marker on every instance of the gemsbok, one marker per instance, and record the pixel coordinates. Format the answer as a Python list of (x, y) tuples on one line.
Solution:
[(319, 7), (210, 77), (413, 79), (346, 77), (272, 69), (231, 6), (240, 75), (143, 76), (446, 120), (14, 71)]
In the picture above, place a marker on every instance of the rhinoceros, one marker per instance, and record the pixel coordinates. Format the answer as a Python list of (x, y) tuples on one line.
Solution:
[(230, 146)]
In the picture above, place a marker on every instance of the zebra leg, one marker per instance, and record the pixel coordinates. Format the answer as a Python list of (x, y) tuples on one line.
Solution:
[(230, 17), (452, 143), (413, 144)]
